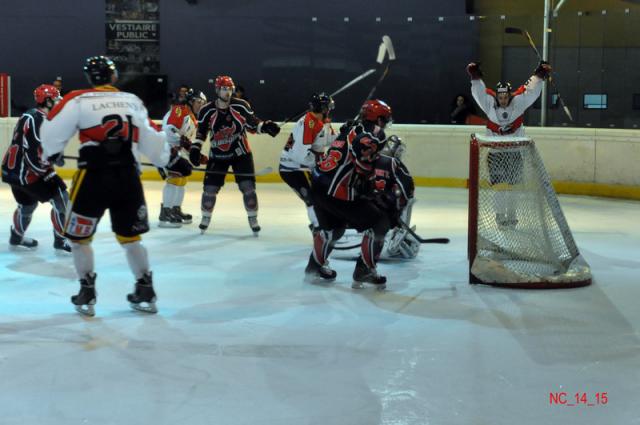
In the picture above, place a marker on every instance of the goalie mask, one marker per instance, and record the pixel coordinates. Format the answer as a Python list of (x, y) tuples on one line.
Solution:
[(394, 147), (503, 94)]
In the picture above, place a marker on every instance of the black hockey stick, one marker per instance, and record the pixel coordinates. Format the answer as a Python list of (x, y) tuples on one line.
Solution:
[(261, 172), (385, 48), (525, 33), (411, 232)]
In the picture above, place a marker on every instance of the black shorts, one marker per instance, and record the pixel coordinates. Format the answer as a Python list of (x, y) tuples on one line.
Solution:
[(117, 189), (335, 213), (239, 164), (505, 167), (299, 182), (40, 191)]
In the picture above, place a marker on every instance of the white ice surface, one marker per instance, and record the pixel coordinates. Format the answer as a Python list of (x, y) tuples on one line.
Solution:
[(241, 339)]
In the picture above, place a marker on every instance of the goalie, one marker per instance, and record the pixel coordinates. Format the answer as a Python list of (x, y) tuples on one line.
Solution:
[(394, 188)]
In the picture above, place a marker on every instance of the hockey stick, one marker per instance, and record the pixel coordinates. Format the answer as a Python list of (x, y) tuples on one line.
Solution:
[(385, 48), (525, 33), (411, 232), (261, 172)]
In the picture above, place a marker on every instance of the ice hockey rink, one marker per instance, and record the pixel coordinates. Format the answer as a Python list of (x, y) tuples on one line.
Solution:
[(241, 338)]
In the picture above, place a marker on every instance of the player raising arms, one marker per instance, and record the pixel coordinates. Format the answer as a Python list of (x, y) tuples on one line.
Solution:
[(341, 188), (180, 118), (226, 120), (505, 110), (31, 180), (311, 135), (113, 127)]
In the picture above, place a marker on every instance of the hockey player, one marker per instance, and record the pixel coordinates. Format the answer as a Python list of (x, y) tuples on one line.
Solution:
[(341, 188), (33, 180), (226, 120), (311, 135), (505, 110), (395, 193), (181, 117), (113, 127)]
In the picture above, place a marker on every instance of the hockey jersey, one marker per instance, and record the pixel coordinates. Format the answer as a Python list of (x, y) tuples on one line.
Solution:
[(113, 128), (509, 120), (227, 128), (180, 117), (345, 171), (22, 162), (394, 180), (309, 138)]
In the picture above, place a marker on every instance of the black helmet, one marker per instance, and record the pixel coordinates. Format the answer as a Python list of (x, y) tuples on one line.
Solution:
[(503, 87), (195, 95), (321, 103), (99, 69)]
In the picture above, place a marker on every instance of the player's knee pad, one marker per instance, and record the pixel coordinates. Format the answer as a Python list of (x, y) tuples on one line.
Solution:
[(248, 189), (128, 239), (247, 186)]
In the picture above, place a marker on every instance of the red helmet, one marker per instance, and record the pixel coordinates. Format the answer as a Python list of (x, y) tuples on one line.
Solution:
[(44, 92), (224, 81), (374, 109)]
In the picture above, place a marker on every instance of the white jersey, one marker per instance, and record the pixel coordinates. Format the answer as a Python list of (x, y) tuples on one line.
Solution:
[(99, 114), (309, 135), (509, 120)]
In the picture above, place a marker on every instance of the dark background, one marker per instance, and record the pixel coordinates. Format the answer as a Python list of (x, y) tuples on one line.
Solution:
[(275, 42)]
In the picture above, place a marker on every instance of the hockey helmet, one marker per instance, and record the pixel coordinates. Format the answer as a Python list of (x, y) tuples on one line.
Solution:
[(44, 92), (375, 109), (321, 103), (224, 81), (99, 69)]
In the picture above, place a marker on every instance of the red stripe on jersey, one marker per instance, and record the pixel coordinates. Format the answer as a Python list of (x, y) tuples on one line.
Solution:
[(490, 92), (92, 134), (520, 90), (342, 188), (238, 116), (512, 129), (311, 127)]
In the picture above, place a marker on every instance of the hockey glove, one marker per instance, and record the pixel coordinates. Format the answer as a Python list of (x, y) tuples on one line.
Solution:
[(56, 159), (53, 180), (185, 143), (178, 166), (194, 153), (543, 70), (271, 128), (346, 127), (473, 69)]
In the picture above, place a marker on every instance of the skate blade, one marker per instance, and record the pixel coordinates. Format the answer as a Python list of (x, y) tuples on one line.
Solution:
[(317, 280), (357, 285), (166, 225), (256, 233), (203, 231), (187, 221), (86, 310), (149, 308), (360, 285), (19, 248)]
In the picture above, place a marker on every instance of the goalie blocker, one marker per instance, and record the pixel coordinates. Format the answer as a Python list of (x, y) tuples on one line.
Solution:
[(535, 249)]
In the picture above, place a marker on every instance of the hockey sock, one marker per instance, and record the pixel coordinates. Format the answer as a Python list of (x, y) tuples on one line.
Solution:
[(58, 209), (179, 196), (209, 196), (137, 258), (371, 248), (82, 257), (168, 195), (250, 198), (22, 217), (322, 245), (312, 216)]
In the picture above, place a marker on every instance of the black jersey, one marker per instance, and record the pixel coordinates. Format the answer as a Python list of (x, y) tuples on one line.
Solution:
[(393, 179), (22, 162), (348, 165), (227, 128)]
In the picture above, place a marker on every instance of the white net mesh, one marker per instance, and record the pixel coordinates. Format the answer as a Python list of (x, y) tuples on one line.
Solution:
[(522, 235)]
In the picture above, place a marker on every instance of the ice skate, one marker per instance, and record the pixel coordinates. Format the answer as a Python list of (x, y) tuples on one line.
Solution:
[(204, 223), (255, 227), (86, 298), (144, 297), (168, 219), (61, 244), (186, 218), (20, 241), (315, 270), (363, 274)]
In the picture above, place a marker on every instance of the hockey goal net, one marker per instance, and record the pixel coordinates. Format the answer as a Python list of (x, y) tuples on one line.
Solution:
[(518, 235)]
